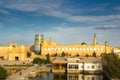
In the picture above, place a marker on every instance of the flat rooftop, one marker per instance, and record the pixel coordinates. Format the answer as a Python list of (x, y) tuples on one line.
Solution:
[(77, 60)]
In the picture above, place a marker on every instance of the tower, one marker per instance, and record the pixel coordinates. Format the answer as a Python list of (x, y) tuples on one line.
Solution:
[(51, 42), (94, 41), (106, 46), (39, 40)]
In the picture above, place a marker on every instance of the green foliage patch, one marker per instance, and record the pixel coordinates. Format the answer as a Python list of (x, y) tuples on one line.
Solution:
[(3, 73), (111, 63)]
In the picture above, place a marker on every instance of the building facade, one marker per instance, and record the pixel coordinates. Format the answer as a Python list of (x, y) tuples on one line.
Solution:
[(78, 49), (42, 47), (14, 52), (78, 65)]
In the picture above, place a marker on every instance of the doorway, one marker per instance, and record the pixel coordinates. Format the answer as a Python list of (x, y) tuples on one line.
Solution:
[(16, 58)]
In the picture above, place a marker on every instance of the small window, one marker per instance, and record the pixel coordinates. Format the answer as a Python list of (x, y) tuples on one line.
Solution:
[(99, 66), (82, 66), (16, 58), (93, 66), (88, 67)]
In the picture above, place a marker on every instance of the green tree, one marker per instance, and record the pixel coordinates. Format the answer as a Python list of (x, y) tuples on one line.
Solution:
[(3, 73), (111, 63), (55, 54), (77, 55), (41, 61), (37, 61), (28, 54), (94, 54), (63, 54), (48, 58), (86, 55)]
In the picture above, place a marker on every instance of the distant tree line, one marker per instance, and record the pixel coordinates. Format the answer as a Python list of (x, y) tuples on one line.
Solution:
[(63, 54)]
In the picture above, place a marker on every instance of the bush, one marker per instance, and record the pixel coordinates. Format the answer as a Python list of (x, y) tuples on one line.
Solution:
[(3, 73), (37, 61), (41, 61), (28, 54)]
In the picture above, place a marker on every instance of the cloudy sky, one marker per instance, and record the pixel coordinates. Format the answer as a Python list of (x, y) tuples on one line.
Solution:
[(66, 21)]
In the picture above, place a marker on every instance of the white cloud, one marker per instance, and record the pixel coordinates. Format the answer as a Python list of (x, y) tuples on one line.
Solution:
[(45, 8), (4, 12), (76, 35), (70, 35), (30, 5), (117, 8), (107, 27)]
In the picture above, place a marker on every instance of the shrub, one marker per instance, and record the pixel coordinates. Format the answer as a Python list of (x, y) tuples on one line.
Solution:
[(3, 73)]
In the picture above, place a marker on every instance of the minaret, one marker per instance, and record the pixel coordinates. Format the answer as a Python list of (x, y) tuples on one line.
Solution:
[(94, 41), (106, 46)]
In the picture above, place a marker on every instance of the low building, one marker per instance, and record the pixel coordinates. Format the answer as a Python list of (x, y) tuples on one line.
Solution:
[(84, 65), (14, 52), (78, 65)]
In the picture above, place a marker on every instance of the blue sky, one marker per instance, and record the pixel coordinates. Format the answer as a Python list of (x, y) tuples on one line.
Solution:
[(66, 21)]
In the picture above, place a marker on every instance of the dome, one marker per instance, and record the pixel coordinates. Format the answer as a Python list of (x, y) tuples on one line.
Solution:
[(83, 43)]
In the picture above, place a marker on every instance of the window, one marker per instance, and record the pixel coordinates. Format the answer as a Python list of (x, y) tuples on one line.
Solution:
[(45, 49), (76, 66), (16, 58), (93, 66), (48, 49), (70, 49), (58, 48), (91, 49), (77, 49), (66, 48), (73, 48), (95, 49), (69, 66), (55, 49), (87, 48), (101, 49), (84, 49), (73, 66), (98, 48), (62, 49), (52, 49), (99, 66), (80, 48), (88, 67), (82, 66)]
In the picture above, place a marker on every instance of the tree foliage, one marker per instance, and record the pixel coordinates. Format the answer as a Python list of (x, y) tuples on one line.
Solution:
[(37, 61), (55, 55), (48, 58), (40, 61), (28, 54), (94, 54), (77, 55), (3, 73), (63, 54), (111, 63)]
